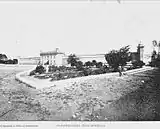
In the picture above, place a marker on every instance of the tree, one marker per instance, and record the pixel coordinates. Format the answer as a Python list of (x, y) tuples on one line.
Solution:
[(72, 59), (40, 69), (94, 62), (154, 55), (79, 65), (155, 59), (99, 64), (88, 64), (116, 58), (9, 61), (15, 61), (3, 57), (137, 64)]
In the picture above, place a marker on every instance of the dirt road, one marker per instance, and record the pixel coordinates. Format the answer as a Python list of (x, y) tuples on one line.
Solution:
[(16, 99)]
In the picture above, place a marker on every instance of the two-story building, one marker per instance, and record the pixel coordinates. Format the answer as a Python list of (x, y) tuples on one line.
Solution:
[(52, 57)]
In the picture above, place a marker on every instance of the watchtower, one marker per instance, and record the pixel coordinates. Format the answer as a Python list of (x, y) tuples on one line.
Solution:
[(140, 51)]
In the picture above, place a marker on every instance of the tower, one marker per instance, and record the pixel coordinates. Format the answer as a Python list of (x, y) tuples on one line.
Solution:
[(140, 51)]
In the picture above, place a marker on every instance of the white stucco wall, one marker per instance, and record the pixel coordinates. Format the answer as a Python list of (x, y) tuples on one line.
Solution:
[(31, 61), (58, 59)]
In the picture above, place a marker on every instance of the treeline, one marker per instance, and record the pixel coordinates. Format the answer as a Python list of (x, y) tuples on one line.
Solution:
[(5, 60)]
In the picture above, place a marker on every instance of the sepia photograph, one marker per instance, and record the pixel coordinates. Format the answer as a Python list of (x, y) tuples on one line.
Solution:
[(79, 61)]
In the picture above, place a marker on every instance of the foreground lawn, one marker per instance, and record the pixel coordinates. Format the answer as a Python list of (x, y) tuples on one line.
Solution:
[(114, 98)]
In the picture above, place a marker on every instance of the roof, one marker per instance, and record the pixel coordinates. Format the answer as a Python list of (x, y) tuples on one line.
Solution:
[(88, 56), (91, 55), (55, 52), (30, 58)]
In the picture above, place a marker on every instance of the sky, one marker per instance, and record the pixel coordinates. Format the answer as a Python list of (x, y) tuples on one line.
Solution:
[(86, 27)]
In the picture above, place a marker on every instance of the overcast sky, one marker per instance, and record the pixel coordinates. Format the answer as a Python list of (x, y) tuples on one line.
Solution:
[(76, 27)]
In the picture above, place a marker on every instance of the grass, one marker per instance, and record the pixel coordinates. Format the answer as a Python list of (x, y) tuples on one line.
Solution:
[(85, 100)]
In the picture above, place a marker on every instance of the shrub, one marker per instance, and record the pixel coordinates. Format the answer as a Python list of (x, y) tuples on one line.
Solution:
[(98, 71), (32, 73), (102, 70), (155, 63), (15, 61), (94, 62), (88, 64), (52, 68), (105, 69), (86, 71), (99, 64), (137, 64), (40, 69), (9, 61), (79, 65), (152, 64), (2, 61)]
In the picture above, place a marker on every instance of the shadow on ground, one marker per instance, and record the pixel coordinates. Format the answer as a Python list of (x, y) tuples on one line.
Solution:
[(140, 105)]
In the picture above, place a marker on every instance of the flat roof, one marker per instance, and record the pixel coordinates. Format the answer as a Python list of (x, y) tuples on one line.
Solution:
[(51, 53)]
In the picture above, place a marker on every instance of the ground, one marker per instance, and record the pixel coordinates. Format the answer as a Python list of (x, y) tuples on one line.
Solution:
[(130, 97)]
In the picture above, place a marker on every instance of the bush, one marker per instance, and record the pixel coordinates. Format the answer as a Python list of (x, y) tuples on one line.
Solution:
[(79, 65), (60, 68), (137, 64), (40, 69), (102, 70), (88, 64), (9, 61), (52, 68), (155, 63), (98, 71), (32, 73), (2, 61), (86, 71), (99, 64), (94, 62), (15, 61)]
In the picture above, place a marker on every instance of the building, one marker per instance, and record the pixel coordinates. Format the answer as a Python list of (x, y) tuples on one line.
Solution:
[(58, 58), (28, 60), (52, 57), (91, 57), (138, 56)]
